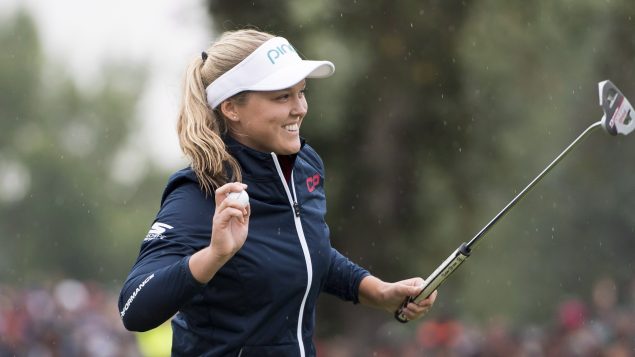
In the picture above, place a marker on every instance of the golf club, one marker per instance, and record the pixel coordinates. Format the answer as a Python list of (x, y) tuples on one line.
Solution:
[(618, 118)]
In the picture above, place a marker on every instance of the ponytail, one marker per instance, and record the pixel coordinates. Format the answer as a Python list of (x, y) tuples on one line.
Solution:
[(200, 127), (199, 130)]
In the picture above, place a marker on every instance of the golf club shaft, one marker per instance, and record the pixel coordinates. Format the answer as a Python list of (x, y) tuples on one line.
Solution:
[(475, 240), (461, 254)]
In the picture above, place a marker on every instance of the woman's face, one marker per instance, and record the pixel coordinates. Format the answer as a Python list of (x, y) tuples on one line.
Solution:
[(270, 121)]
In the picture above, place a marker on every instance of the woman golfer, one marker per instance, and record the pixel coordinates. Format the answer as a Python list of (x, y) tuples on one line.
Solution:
[(243, 277)]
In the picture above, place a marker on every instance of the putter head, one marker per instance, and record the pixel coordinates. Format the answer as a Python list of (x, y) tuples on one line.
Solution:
[(619, 117)]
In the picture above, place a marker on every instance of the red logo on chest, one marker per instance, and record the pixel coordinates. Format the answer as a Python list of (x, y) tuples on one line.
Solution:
[(312, 182)]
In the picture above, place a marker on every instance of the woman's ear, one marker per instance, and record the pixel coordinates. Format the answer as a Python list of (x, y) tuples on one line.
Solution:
[(228, 108)]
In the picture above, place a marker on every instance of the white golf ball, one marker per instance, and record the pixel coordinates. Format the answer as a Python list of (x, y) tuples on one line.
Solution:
[(242, 197)]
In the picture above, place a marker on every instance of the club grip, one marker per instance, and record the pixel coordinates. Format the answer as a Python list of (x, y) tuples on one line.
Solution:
[(440, 274)]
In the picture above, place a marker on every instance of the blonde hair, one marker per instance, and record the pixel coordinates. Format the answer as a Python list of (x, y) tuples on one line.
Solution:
[(200, 127)]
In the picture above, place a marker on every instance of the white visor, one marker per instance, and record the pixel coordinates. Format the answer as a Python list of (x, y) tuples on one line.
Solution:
[(274, 65)]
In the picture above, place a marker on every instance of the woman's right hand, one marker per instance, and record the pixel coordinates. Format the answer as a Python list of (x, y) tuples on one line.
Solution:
[(230, 223), (229, 232)]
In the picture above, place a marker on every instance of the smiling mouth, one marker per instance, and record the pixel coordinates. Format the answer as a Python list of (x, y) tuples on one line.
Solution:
[(292, 127)]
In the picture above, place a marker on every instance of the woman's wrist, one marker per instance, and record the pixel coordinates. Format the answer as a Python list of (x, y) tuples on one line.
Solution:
[(371, 291), (205, 263)]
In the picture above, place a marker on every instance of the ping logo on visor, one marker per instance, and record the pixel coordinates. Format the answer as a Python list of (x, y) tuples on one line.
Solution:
[(274, 65), (273, 54)]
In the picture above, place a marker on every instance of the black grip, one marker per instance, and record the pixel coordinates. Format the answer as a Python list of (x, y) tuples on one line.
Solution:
[(398, 313)]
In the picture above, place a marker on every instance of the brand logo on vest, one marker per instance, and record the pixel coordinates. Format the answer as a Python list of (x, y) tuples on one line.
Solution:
[(276, 52), (157, 230), (312, 182)]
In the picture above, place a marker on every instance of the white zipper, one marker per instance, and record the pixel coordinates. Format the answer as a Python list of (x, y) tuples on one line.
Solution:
[(305, 248)]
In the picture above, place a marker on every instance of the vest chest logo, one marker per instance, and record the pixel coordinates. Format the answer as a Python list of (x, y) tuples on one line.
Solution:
[(312, 182)]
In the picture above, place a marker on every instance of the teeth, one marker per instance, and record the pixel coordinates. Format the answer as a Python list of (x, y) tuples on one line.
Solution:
[(292, 127)]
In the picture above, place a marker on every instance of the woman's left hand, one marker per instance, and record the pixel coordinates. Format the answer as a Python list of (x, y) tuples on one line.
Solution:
[(403, 289), (390, 296)]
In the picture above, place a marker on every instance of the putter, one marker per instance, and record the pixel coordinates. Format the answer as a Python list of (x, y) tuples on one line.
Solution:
[(618, 118)]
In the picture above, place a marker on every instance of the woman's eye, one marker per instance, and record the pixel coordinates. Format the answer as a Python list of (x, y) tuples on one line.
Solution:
[(283, 97)]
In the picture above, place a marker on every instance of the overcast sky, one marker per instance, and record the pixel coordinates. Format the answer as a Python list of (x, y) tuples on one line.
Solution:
[(164, 33)]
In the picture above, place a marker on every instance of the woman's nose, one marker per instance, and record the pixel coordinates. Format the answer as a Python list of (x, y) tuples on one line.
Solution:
[(299, 107)]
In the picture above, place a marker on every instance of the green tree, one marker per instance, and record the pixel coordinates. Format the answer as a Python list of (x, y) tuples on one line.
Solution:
[(62, 210), (530, 79)]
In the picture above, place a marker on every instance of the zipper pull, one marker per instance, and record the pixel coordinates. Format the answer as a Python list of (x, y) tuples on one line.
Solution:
[(296, 209)]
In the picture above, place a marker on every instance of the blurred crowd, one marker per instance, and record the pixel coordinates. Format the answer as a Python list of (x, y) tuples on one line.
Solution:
[(73, 318), (68, 318), (598, 327)]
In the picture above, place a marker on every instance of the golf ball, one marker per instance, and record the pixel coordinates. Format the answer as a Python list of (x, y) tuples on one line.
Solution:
[(242, 197)]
